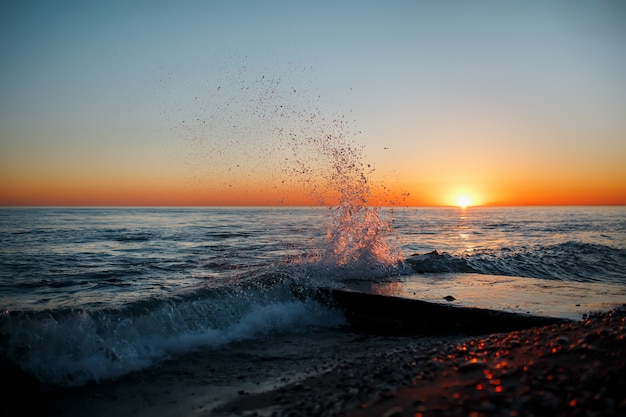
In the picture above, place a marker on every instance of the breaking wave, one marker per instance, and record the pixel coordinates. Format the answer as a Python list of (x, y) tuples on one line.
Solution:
[(73, 347), (571, 261)]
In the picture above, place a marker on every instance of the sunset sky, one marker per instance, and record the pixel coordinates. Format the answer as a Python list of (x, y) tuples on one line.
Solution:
[(229, 102)]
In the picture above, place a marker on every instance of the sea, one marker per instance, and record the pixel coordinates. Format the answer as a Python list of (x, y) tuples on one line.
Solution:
[(90, 294)]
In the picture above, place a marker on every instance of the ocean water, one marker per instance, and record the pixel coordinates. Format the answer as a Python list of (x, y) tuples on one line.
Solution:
[(94, 293)]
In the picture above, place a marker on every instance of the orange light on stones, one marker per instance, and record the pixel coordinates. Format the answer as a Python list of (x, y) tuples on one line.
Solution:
[(496, 382)]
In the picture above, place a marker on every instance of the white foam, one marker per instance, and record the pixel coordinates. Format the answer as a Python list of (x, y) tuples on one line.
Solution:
[(81, 347)]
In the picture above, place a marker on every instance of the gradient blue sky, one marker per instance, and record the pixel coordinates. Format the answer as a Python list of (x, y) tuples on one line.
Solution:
[(511, 102)]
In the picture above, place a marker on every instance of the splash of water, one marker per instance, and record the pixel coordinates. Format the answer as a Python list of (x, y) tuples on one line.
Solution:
[(358, 235), (272, 124)]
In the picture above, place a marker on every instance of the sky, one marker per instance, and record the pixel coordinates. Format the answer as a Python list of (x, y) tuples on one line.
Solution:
[(263, 103)]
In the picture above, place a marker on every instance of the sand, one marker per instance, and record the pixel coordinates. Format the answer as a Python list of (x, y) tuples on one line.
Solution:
[(568, 369)]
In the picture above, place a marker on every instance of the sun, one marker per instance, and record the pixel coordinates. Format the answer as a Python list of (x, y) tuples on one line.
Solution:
[(463, 201)]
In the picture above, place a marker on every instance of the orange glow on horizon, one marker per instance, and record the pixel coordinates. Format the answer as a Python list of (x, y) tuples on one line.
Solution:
[(178, 192), (517, 193)]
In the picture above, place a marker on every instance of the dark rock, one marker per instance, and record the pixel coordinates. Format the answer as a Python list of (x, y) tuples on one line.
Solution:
[(471, 365), (386, 314)]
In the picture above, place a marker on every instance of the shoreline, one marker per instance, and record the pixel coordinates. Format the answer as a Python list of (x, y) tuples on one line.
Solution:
[(568, 369), (577, 368)]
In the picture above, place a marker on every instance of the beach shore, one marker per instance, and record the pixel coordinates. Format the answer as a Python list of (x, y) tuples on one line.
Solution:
[(574, 369), (569, 369)]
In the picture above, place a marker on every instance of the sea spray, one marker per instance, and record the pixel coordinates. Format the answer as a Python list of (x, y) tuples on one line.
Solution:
[(269, 133), (358, 237)]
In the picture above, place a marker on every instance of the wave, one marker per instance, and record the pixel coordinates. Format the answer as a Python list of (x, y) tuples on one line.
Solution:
[(438, 262), (73, 347), (571, 261)]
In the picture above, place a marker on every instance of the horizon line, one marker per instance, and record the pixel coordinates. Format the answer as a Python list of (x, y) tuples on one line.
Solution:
[(299, 205)]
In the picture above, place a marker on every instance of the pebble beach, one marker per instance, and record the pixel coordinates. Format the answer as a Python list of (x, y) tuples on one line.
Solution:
[(575, 369)]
